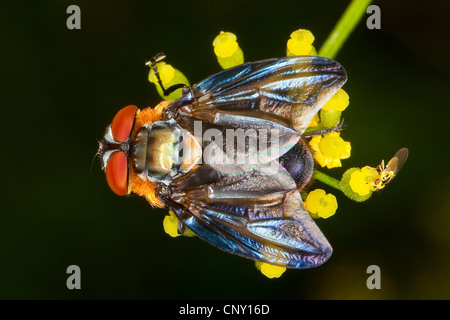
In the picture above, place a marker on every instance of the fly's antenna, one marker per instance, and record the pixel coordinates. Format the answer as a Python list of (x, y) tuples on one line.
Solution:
[(98, 154)]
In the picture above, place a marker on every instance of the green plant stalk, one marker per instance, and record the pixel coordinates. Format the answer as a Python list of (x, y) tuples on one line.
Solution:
[(343, 28), (324, 178)]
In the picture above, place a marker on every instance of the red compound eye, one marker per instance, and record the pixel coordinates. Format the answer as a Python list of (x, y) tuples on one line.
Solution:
[(117, 173), (122, 123)]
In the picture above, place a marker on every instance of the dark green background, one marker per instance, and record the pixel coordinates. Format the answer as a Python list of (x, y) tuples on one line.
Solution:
[(60, 88)]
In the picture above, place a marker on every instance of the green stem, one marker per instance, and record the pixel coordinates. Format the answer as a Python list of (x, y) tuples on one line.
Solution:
[(332, 182), (343, 28)]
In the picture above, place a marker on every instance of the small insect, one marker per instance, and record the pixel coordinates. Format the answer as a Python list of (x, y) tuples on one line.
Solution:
[(230, 157), (387, 173)]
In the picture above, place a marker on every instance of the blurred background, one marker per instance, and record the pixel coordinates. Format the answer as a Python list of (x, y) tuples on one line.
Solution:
[(60, 88)]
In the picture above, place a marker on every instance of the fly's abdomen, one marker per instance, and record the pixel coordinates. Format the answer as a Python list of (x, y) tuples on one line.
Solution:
[(299, 162)]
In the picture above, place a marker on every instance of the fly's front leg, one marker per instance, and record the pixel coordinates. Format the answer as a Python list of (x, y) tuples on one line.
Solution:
[(152, 63), (183, 230), (181, 227)]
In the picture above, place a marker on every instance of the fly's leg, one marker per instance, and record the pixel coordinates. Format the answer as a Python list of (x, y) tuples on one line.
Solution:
[(320, 132), (152, 63), (181, 228)]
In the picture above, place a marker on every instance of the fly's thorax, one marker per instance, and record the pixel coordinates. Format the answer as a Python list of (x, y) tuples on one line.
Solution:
[(162, 151)]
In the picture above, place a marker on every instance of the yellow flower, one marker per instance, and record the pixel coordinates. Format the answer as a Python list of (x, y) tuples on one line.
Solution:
[(320, 204), (361, 180), (339, 101), (169, 76), (227, 50), (348, 189), (330, 149), (269, 270), (170, 225), (300, 43), (225, 44)]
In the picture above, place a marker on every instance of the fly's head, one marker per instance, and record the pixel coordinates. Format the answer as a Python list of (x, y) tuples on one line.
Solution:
[(139, 151), (114, 150)]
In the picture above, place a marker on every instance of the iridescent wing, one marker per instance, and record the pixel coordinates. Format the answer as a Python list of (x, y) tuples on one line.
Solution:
[(288, 91), (257, 214)]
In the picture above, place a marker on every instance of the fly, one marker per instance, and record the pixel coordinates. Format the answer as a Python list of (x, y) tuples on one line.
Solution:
[(230, 157)]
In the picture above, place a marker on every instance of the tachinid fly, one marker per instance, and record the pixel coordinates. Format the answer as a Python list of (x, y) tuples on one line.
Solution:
[(229, 157)]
